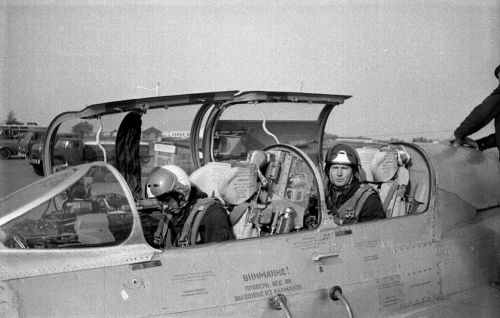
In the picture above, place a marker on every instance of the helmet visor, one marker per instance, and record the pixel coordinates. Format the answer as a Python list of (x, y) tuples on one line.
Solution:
[(166, 197), (160, 183)]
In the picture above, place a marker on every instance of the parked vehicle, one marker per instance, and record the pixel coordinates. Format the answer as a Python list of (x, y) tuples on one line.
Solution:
[(72, 149), (33, 136), (64, 148), (9, 139)]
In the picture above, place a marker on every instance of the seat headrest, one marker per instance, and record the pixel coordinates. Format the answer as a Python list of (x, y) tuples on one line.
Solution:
[(381, 165), (384, 166), (238, 183), (366, 156), (232, 183), (207, 177)]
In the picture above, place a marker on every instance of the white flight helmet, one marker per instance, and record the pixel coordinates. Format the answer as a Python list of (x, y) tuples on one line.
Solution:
[(167, 179), (341, 154), (342, 158)]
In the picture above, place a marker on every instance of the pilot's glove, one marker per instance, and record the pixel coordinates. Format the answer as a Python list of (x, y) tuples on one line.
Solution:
[(158, 240), (459, 142)]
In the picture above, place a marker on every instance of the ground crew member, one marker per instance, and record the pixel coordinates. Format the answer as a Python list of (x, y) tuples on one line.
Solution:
[(352, 201), (479, 117), (173, 189)]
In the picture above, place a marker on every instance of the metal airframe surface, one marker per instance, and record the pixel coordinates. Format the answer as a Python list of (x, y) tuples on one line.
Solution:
[(156, 102), (462, 171), (296, 97)]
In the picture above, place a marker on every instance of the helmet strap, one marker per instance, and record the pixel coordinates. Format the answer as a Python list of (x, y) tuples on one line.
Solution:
[(183, 203)]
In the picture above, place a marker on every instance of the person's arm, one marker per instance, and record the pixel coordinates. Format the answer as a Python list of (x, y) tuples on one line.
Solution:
[(480, 116)]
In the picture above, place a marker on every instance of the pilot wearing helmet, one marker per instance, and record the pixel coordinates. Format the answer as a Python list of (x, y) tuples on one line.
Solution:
[(353, 201), (171, 186)]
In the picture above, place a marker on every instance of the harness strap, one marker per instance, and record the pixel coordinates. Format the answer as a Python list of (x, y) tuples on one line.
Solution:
[(189, 232), (393, 187), (352, 207)]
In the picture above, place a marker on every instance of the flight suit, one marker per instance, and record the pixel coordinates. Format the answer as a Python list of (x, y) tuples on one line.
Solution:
[(214, 226), (372, 208)]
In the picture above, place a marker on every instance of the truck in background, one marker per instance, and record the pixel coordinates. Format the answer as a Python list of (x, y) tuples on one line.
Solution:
[(33, 136), (72, 149)]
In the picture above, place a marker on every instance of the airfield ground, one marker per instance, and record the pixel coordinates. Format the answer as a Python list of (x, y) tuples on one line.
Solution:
[(15, 174)]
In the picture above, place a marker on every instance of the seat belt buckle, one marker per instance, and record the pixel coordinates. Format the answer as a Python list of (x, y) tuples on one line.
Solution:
[(183, 242)]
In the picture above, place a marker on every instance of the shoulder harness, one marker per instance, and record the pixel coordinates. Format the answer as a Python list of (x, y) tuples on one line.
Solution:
[(189, 233), (351, 209)]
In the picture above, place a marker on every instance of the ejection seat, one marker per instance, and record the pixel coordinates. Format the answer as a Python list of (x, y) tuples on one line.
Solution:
[(231, 183), (385, 169)]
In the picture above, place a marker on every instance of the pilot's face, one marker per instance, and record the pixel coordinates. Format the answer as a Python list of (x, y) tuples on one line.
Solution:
[(340, 175), (172, 206)]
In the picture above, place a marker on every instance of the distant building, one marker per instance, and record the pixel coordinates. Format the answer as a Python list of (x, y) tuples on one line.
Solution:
[(174, 151), (151, 134), (176, 134)]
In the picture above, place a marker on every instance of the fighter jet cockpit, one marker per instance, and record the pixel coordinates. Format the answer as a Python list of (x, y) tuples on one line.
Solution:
[(77, 207), (266, 169), (272, 192)]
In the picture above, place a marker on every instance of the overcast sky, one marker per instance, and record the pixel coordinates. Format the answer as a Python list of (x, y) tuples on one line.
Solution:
[(414, 68)]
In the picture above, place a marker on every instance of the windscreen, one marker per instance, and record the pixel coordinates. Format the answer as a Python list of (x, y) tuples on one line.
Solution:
[(246, 127), (154, 138)]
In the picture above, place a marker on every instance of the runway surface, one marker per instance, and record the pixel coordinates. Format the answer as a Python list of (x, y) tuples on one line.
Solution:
[(15, 174)]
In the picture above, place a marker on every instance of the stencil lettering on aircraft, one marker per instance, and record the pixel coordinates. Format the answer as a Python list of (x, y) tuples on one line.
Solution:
[(267, 283)]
